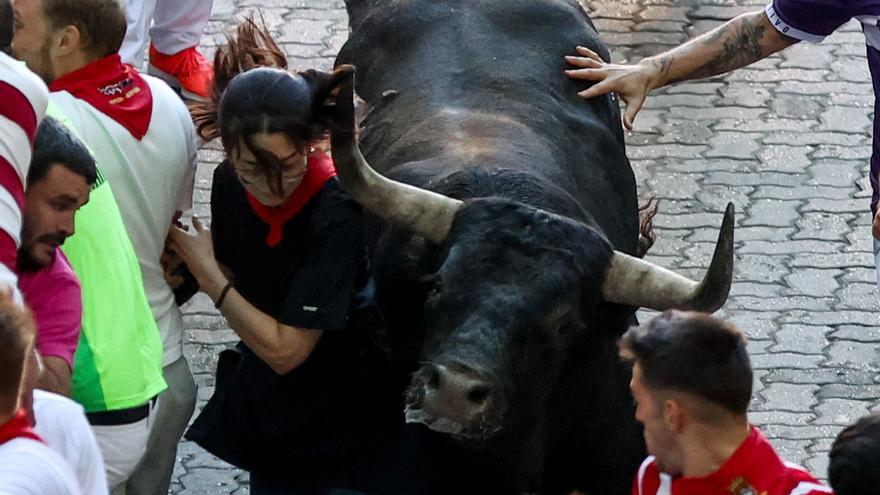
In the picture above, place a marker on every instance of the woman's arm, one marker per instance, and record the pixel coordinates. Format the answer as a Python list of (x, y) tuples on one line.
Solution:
[(282, 347)]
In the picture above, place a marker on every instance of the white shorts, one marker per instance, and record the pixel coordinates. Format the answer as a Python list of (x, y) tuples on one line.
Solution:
[(123, 447)]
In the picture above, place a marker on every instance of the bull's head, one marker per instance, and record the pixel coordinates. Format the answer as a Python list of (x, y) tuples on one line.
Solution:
[(516, 287)]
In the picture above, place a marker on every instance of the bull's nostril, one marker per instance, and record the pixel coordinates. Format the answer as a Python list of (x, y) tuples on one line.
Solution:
[(478, 395), (434, 379)]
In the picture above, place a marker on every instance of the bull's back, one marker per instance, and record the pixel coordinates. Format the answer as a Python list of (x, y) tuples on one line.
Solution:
[(445, 78)]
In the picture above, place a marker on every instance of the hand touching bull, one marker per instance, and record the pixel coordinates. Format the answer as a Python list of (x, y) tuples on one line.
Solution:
[(740, 42)]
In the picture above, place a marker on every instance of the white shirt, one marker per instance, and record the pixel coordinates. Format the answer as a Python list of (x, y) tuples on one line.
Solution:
[(29, 467), (152, 178), (62, 424)]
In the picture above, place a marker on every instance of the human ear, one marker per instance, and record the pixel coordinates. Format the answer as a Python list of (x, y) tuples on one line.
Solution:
[(66, 41), (673, 415)]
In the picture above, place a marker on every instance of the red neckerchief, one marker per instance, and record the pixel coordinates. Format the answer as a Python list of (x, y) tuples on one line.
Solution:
[(320, 170), (115, 89), (17, 427)]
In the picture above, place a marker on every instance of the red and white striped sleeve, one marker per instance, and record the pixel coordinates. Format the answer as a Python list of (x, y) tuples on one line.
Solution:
[(23, 100)]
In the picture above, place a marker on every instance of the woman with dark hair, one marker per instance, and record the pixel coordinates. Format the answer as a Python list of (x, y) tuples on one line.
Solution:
[(306, 401)]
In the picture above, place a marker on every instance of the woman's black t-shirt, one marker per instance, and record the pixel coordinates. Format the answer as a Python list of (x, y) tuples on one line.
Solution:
[(316, 278)]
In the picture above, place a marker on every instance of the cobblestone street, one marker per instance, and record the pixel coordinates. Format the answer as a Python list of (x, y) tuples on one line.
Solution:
[(787, 140)]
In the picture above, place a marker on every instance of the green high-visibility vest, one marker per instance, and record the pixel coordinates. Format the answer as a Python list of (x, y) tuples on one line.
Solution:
[(118, 362)]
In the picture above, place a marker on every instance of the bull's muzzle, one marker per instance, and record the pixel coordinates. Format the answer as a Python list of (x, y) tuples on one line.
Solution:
[(454, 400)]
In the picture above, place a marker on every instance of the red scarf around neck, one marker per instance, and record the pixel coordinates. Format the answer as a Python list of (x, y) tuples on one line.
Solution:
[(17, 427), (117, 90), (320, 170)]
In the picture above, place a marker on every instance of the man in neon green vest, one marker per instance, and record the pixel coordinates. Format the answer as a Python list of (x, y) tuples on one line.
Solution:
[(117, 369)]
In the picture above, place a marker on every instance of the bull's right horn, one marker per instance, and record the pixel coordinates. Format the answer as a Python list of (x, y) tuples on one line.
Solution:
[(422, 212), (636, 282)]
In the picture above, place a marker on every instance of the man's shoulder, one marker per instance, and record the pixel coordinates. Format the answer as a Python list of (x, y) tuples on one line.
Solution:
[(801, 482), (54, 280), (32, 467), (648, 478), (13, 73)]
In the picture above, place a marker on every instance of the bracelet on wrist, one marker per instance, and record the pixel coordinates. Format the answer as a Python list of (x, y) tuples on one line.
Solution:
[(222, 296)]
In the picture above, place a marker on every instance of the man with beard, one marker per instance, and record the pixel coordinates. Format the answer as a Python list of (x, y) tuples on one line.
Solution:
[(62, 172), (692, 383)]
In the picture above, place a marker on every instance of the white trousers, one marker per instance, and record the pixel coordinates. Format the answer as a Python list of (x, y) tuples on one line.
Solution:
[(123, 447), (176, 25)]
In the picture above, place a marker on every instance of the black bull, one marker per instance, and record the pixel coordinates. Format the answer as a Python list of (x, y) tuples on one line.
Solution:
[(507, 290)]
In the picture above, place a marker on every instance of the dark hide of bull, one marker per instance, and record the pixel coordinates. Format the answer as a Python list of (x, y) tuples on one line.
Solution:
[(511, 349)]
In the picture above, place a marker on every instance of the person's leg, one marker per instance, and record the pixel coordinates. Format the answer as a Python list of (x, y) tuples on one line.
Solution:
[(173, 55), (138, 16), (179, 24), (173, 412), (123, 447)]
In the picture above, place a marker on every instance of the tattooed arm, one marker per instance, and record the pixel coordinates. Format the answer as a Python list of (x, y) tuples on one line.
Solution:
[(740, 42)]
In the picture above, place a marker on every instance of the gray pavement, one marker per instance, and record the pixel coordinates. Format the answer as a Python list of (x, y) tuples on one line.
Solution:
[(787, 140)]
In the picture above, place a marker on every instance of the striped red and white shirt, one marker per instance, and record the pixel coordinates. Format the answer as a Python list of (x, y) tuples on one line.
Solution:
[(23, 100), (754, 469)]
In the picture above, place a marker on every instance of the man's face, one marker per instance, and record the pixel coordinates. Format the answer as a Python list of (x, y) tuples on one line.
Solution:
[(50, 205), (33, 38), (659, 439)]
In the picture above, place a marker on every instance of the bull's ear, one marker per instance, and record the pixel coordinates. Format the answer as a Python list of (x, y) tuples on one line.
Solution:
[(359, 9)]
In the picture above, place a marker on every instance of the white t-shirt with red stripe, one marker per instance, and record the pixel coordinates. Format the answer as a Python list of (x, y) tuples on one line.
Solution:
[(753, 469), (23, 100)]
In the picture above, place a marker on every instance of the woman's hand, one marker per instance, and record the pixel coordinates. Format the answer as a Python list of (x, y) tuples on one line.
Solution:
[(197, 251)]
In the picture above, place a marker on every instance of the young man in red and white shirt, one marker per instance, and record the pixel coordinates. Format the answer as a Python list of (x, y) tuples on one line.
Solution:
[(692, 382)]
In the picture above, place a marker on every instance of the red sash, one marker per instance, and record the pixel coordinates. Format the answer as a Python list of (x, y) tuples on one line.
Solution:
[(17, 427), (320, 170), (117, 90)]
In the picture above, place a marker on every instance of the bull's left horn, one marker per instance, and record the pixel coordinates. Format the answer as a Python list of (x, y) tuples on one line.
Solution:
[(422, 212), (636, 282)]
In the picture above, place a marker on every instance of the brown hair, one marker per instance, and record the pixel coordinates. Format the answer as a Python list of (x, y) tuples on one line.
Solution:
[(249, 47), (101, 23), (694, 353), (17, 334)]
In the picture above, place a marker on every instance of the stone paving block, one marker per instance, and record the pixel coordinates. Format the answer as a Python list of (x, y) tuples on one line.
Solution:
[(203, 481), (844, 119), (813, 282), (790, 247), (745, 96), (842, 152), (788, 397), (858, 296), (840, 412), (755, 75), (823, 226), (859, 333), (835, 205), (814, 138), (820, 376), (732, 145), (683, 132), (786, 360), (851, 354), (760, 268), (801, 338), (773, 213), (778, 192), (769, 124), (785, 158), (808, 56), (836, 173)]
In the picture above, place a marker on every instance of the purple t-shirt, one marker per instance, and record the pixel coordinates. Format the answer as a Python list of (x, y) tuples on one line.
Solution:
[(813, 20), (53, 294)]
